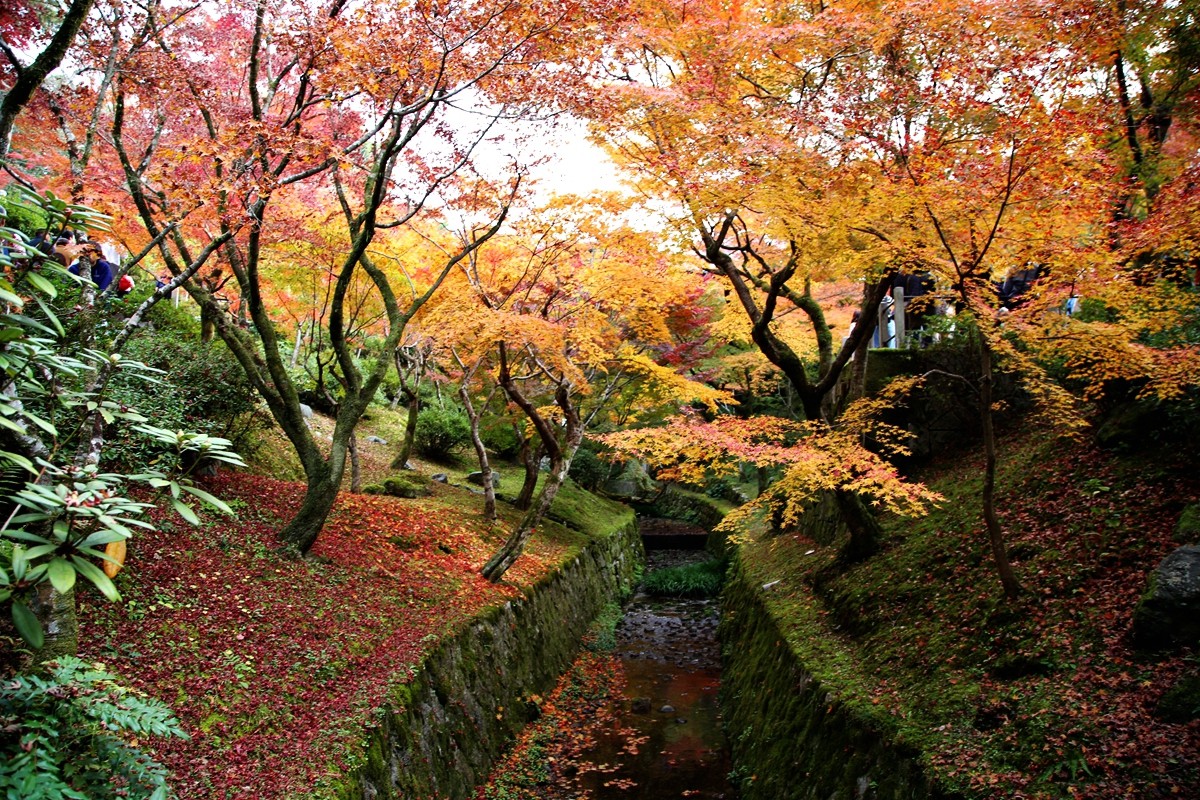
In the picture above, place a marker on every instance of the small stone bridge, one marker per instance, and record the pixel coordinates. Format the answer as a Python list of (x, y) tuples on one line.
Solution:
[(671, 534)]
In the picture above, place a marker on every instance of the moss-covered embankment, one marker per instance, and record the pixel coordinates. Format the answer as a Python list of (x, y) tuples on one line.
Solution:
[(441, 731), (829, 663), (789, 736)]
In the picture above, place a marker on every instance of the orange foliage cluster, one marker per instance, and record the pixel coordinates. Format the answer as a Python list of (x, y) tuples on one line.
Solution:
[(815, 457)]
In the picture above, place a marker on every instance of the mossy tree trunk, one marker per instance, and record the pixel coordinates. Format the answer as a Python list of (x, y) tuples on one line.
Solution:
[(856, 384), (320, 493), (507, 555), (355, 464), (531, 458), (412, 361), (473, 416), (60, 623), (410, 433), (865, 533)]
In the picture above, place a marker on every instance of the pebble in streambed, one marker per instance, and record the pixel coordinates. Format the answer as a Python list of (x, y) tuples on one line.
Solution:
[(672, 671)]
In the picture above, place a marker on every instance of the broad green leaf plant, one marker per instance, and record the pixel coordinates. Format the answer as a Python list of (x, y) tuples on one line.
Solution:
[(64, 510)]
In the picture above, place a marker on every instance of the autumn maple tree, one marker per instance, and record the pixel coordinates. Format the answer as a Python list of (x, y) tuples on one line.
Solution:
[(994, 159), (865, 142), (760, 195), (569, 310), (1133, 339), (719, 110), (290, 107), (23, 28), (1150, 56)]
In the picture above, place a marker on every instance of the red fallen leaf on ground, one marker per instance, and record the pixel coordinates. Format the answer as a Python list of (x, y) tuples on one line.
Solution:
[(268, 660)]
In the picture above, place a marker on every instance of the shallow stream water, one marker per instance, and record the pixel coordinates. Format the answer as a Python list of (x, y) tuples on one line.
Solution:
[(671, 660)]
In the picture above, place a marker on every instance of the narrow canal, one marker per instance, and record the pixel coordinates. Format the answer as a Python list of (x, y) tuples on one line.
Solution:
[(639, 721), (671, 662)]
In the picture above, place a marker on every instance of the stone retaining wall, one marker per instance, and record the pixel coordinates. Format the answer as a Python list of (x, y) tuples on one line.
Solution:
[(790, 739), (443, 730)]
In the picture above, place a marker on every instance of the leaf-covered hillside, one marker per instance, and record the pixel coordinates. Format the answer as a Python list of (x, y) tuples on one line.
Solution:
[(1044, 697), (275, 666)]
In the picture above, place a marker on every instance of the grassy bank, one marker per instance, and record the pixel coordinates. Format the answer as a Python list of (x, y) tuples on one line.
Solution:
[(1041, 698)]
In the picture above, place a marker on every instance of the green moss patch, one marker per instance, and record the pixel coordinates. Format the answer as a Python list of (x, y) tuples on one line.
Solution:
[(409, 486), (583, 511), (998, 699), (1181, 703)]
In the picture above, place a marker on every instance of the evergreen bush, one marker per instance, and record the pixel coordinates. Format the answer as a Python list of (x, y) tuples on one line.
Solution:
[(441, 432), (500, 437), (74, 733), (200, 388), (588, 470)]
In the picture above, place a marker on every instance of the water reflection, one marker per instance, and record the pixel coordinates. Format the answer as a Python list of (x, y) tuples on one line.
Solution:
[(670, 657)]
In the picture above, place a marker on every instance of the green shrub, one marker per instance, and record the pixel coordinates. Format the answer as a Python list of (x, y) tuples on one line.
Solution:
[(71, 735), (388, 389), (167, 318), (588, 470), (500, 437), (201, 388), (718, 487), (441, 432), (689, 580), (23, 215)]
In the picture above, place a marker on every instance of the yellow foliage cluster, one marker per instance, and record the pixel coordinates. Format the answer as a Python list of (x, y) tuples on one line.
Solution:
[(579, 304), (815, 458)]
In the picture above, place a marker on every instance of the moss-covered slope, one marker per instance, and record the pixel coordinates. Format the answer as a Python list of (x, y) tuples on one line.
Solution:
[(1042, 698)]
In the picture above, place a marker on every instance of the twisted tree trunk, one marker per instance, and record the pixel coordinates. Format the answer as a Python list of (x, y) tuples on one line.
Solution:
[(531, 458), (410, 432), (560, 452)]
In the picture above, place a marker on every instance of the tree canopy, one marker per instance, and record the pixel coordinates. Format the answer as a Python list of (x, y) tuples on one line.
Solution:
[(338, 187)]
